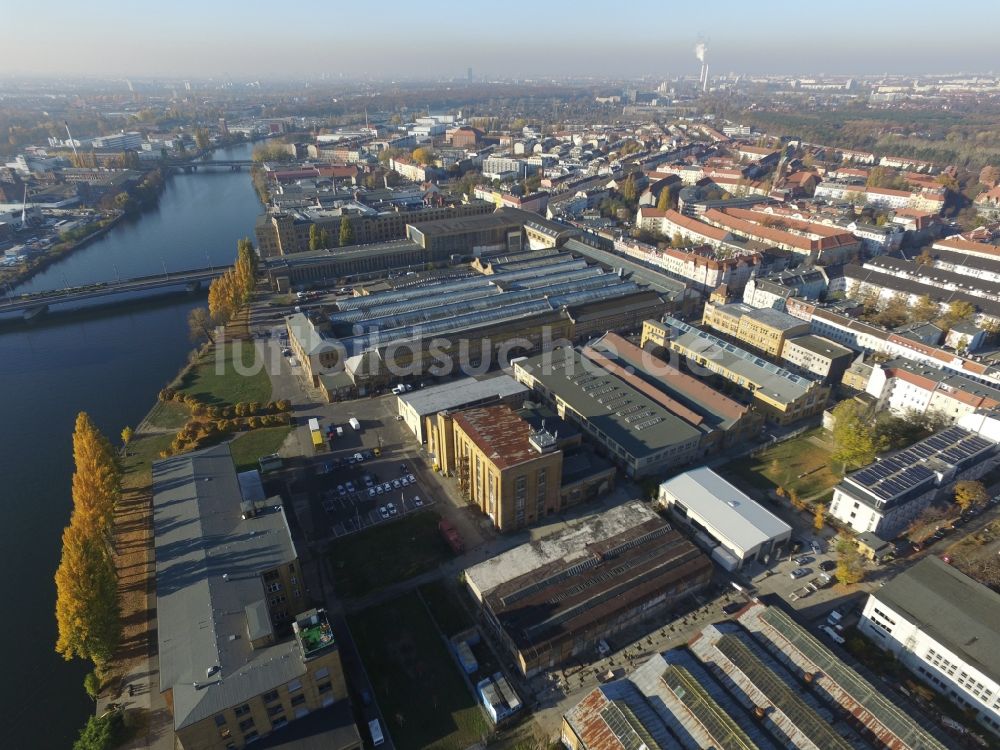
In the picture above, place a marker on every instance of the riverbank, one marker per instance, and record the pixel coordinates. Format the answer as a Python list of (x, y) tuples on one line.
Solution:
[(58, 253)]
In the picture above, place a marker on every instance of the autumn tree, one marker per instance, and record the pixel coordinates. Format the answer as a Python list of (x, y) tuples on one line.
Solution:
[(854, 434), (97, 477), (958, 311), (970, 494), (127, 434), (200, 325), (313, 237), (819, 517), (663, 203), (850, 567), (423, 156), (346, 232), (989, 176), (89, 617), (925, 309), (201, 139), (629, 190), (925, 258)]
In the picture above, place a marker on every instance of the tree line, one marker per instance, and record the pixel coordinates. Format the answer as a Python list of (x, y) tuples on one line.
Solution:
[(319, 238), (88, 610), (227, 294)]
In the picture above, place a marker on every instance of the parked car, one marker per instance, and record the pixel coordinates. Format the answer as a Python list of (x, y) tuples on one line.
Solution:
[(371, 492), (417, 501), (341, 490), (799, 573), (391, 508), (396, 484), (410, 478), (803, 560), (828, 565), (383, 512)]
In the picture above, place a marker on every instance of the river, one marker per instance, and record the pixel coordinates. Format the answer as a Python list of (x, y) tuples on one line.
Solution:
[(111, 365)]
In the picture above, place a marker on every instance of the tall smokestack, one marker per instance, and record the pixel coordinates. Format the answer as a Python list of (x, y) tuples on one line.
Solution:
[(701, 51)]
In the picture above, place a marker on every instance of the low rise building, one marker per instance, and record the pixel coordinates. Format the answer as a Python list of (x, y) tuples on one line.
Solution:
[(941, 625), (723, 422), (818, 356), (737, 529), (774, 289), (552, 599), (634, 428), (420, 409), (241, 654), (739, 685), (887, 496), (781, 395)]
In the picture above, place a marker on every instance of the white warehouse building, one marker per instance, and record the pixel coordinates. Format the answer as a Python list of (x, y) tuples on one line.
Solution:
[(942, 626), (738, 528)]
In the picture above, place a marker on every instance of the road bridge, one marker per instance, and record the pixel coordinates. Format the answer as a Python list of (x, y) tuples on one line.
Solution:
[(36, 302)]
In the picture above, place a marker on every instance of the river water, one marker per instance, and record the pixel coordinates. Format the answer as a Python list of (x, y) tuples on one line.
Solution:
[(110, 364)]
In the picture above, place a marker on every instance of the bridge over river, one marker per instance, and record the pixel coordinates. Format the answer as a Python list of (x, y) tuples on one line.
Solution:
[(30, 305)]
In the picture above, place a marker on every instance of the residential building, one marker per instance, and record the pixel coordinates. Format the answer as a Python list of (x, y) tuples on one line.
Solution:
[(820, 242), (736, 529), (903, 387), (887, 496), (630, 423), (420, 409), (774, 289), (941, 625), (818, 356), (781, 395), (763, 328), (241, 654), (552, 599)]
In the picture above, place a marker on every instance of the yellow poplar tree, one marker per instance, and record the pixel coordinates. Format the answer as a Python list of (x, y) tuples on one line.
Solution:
[(88, 612), (97, 477)]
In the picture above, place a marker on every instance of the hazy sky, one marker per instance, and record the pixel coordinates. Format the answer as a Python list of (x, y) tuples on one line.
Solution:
[(381, 38)]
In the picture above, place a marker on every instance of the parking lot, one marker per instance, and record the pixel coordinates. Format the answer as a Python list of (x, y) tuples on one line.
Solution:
[(366, 494)]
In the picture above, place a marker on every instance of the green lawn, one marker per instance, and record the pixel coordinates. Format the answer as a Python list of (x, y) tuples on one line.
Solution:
[(447, 611), (781, 465), (169, 415), (417, 684), (215, 381), (389, 552), (247, 448), (142, 452)]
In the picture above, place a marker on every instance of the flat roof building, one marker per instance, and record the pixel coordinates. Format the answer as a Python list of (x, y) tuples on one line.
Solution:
[(551, 599), (942, 625), (634, 428), (781, 395), (742, 527), (763, 328), (888, 495), (228, 587), (420, 408), (506, 469), (818, 356)]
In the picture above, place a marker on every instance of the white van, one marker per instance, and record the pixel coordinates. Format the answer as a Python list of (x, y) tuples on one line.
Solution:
[(834, 635), (375, 730)]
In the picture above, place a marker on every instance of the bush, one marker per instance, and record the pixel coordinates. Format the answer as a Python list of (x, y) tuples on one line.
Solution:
[(254, 407), (256, 422), (101, 733), (271, 407), (241, 409), (285, 405), (92, 684)]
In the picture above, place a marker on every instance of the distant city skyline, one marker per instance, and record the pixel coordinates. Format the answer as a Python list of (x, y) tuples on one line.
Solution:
[(256, 39)]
